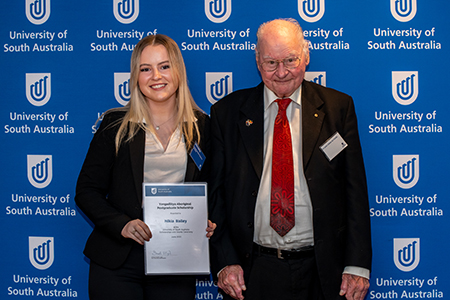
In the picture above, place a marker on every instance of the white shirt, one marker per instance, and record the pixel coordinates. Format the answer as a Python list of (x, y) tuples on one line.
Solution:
[(165, 166), (301, 234)]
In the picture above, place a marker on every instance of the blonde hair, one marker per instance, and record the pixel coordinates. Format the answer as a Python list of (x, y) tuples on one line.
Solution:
[(137, 108)]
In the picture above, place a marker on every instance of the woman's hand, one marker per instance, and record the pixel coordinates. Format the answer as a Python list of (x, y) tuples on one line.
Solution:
[(210, 229), (137, 230)]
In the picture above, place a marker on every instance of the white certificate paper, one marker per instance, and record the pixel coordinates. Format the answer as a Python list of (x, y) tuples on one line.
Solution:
[(177, 216)]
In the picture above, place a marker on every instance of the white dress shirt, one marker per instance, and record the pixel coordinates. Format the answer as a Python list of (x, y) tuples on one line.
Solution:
[(167, 166), (301, 234)]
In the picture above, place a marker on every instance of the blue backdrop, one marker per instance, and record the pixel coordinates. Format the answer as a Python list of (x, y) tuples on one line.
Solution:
[(65, 62)]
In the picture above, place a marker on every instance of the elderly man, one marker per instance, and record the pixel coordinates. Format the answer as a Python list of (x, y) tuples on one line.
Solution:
[(288, 188)]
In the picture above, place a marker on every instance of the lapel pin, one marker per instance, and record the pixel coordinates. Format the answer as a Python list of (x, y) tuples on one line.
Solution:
[(248, 122), (316, 115)]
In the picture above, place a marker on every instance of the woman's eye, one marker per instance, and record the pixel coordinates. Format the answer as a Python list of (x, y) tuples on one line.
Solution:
[(165, 67)]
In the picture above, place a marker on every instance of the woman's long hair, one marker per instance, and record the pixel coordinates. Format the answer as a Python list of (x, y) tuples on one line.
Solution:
[(137, 108)]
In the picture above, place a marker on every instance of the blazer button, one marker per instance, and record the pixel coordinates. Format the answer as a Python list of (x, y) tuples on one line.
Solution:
[(250, 224), (254, 193)]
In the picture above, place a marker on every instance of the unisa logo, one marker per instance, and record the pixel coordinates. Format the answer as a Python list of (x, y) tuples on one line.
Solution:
[(218, 85), (405, 170), (122, 87), (218, 11), (403, 10), (405, 87), (39, 170), (37, 11), (317, 77), (38, 88), (41, 251), (311, 10), (406, 254), (126, 11)]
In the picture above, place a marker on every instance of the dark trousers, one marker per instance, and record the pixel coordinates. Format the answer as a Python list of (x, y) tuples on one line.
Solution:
[(283, 279), (130, 282)]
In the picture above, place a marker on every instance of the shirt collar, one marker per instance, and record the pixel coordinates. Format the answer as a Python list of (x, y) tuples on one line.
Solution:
[(270, 97)]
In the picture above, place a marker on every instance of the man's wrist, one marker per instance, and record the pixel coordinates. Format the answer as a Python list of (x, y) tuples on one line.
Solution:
[(358, 271)]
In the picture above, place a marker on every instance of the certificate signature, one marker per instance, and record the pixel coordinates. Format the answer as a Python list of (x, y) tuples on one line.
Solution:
[(161, 254)]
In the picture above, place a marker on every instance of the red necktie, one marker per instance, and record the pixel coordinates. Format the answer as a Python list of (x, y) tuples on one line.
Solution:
[(282, 214)]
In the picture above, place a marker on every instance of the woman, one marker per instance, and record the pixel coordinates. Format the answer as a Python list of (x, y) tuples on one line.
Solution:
[(148, 140)]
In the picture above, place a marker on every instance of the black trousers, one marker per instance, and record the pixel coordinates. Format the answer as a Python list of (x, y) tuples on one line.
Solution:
[(130, 282), (283, 279)]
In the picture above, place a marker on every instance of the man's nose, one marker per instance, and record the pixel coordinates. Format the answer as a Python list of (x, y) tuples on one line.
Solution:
[(281, 70)]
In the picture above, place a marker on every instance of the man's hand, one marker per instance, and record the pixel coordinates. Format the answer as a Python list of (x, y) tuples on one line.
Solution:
[(231, 281), (354, 287)]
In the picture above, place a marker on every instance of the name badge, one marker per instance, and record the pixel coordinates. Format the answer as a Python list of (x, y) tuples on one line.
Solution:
[(333, 146), (197, 156)]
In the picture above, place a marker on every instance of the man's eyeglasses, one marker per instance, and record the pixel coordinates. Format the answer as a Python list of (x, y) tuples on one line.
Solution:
[(272, 65)]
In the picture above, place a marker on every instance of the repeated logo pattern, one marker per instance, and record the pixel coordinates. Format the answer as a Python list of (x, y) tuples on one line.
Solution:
[(405, 170), (38, 88), (122, 88), (311, 10), (317, 77), (40, 170), (406, 254), (405, 87), (41, 251), (39, 45), (218, 11), (218, 85), (37, 11), (126, 11), (403, 10)]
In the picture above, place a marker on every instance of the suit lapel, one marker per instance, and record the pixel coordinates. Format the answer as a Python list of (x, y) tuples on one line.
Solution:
[(137, 148), (312, 120), (251, 127)]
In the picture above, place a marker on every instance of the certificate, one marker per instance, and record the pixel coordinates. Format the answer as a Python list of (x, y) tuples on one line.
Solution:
[(177, 216)]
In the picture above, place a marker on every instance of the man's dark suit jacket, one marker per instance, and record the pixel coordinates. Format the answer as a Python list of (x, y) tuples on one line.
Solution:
[(338, 187), (109, 188)]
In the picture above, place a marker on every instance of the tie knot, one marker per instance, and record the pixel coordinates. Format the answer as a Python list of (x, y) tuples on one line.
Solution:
[(283, 103)]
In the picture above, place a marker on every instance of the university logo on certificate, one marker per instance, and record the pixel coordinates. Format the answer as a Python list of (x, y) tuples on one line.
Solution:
[(177, 216)]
